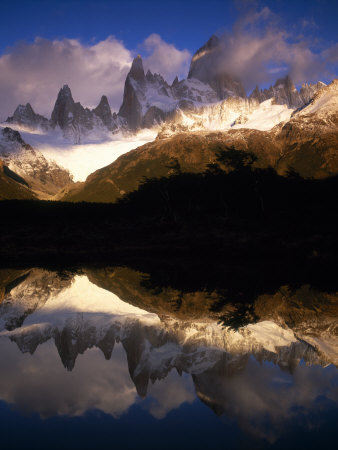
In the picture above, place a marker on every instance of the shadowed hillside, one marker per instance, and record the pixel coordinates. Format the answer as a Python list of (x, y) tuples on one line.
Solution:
[(239, 213)]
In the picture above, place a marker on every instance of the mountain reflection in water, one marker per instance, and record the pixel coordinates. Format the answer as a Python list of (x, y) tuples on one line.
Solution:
[(167, 347)]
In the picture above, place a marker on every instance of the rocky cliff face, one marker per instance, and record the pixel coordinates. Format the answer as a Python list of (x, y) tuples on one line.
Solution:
[(74, 120), (103, 111), (42, 176), (131, 108), (149, 100)]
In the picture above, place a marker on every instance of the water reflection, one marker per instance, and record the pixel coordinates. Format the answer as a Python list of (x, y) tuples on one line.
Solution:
[(121, 341)]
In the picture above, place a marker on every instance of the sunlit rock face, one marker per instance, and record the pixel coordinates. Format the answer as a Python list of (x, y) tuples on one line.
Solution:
[(307, 142), (12, 186), (40, 174)]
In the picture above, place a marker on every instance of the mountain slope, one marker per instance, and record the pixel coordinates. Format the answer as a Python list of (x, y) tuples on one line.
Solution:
[(308, 143), (12, 186), (41, 175)]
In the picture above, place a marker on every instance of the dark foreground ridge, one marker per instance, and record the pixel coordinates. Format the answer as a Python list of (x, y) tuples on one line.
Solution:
[(245, 214)]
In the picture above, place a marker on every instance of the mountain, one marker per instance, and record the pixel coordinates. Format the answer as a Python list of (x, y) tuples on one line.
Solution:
[(25, 115), (308, 143), (149, 100), (27, 291), (43, 305), (42, 176), (76, 121), (262, 110), (260, 375), (284, 92), (206, 66), (310, 313), (209, 99), (111, 121)]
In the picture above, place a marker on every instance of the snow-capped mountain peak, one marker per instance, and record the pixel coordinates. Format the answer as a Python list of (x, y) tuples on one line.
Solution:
[(209, 99)]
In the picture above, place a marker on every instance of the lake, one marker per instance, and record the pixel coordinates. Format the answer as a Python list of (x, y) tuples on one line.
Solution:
[(114, 358)]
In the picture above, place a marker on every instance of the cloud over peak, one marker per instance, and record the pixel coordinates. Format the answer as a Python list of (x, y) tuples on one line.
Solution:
[(165, 58), (34, 72), (258, 50)]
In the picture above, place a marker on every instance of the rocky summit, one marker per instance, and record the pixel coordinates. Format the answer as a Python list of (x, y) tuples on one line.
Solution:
[(25, 115), (209, 98)]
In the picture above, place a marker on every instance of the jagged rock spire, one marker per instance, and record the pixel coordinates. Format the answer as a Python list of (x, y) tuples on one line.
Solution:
[(104, 112), (175, 82), (131, 109), (103, 105), (65, 92), (137, 70), (64, 107), (283, 91)]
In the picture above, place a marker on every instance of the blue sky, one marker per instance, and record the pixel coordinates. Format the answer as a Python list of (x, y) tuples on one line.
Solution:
[(90, 44), (186, 23)]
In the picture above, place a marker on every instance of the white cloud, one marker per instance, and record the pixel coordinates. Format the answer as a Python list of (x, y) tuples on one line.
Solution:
[(255, 49), (34, 72), (165, 58), (258, 50)]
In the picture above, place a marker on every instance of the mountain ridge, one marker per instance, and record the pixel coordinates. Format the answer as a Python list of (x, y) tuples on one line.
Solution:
[(308, 147), (148, 100)]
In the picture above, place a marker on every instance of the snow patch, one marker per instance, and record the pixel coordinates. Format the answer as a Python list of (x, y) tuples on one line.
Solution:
[(266, 116)]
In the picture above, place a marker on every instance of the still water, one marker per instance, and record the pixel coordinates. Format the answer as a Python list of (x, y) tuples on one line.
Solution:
[(102, 359)]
